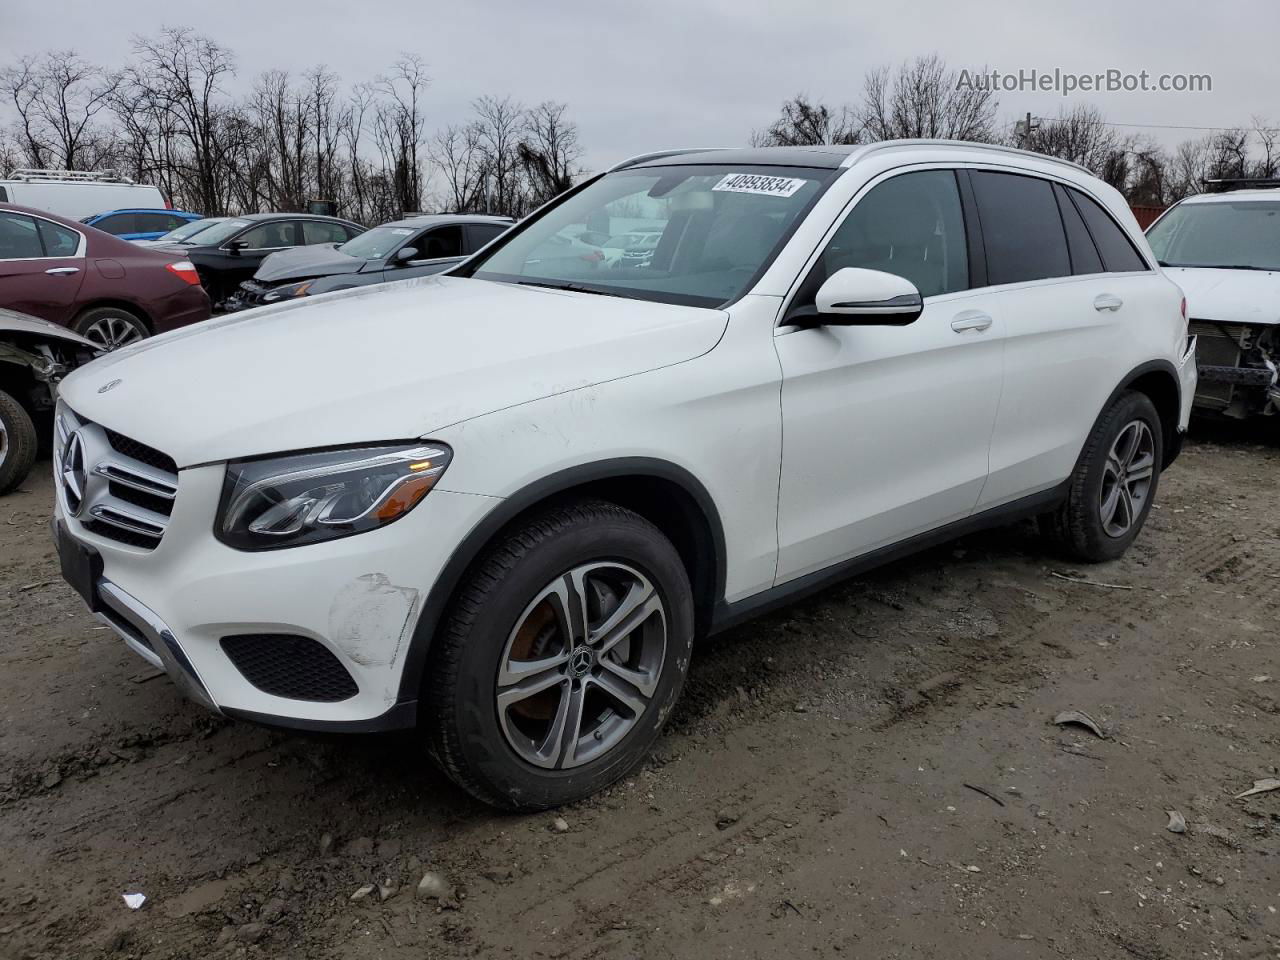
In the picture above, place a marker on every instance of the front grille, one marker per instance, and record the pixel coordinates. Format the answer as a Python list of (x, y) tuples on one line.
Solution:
[(117, 487), (285, 665)]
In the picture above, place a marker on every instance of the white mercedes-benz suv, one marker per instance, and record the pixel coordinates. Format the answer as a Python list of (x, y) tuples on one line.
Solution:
[(502, 503), (1223, 250)]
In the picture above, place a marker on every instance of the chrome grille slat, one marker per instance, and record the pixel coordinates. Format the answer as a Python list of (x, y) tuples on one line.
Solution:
[(131, 473), (112, 492)]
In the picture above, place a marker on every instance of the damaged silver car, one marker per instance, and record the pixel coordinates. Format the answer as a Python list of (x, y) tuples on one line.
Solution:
[(1223, 250), (34, 356)]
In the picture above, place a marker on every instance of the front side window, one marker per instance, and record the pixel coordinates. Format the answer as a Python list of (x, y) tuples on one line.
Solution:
[(378, 243), (118, 224), (440, 242), (269, 236), (18, 237), (482, 233), (1021, 228), (1228, 234), (153, 223), (59, 241), (717, 227), (912, 226), (219, 233)]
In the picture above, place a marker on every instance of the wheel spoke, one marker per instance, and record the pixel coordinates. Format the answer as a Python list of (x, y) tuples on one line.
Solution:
[(529, 686), (561, 741), (621, 690), (569, 598), (642, 680), (521, 671), (1127, 444), (1110, 504), (640, 603)]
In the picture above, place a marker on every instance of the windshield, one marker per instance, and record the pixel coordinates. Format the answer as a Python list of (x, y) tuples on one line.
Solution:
[(1244, 234), (190, 229), (376, 244), (711, 229), (221, 231)]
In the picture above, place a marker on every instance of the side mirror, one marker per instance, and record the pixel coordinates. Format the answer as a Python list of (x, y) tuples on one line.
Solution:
[(853, 296), (404, 255), (235, 246)]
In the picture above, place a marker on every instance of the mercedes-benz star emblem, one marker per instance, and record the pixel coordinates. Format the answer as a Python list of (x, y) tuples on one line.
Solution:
[(581, 662), (109, 385), (73, 473)]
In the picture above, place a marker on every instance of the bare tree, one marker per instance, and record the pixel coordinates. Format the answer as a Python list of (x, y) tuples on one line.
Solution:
[(549, 152), (923, 98), (399, 128), (456, 153), (57, 97), (499, 123), (804, 122)]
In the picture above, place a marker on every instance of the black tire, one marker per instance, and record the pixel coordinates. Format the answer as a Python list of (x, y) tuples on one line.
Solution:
[(18, 443), (1079, 528), (461, 711), (111, 327)]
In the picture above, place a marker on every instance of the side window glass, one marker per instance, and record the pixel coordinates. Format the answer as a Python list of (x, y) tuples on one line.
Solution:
[(440, 242), (482, 233), (912, 226), (1084, 255), (1118, 253), (18, 238), (118, 224), (58, 240), (268, 236), (1021, 228), (317, 231), (151, 223)]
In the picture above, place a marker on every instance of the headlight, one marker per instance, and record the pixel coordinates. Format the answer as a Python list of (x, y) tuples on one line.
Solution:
[(287, 293), (309, 497)]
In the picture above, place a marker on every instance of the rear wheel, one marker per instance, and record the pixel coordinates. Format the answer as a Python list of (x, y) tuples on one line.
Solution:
[(1113, 485), (18, 442), (561, 658), (111, 327)]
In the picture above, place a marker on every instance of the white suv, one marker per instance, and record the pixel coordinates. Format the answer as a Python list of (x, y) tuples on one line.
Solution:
[(503, 502), (1223, 250)]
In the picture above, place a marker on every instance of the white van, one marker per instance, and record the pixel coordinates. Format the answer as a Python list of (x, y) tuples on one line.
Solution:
[(76, 194)]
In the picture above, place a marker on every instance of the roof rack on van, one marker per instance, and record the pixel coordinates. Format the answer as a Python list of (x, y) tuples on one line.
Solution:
[(1227, 184), (79, 176)]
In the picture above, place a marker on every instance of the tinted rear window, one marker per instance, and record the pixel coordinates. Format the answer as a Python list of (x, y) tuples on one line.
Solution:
[(1021, 229), (1084, 255), (1118, 253)]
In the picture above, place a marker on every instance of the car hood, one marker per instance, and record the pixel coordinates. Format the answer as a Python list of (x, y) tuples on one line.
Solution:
[(19, 323), (1229, 296), (387, 362), (302, 263)]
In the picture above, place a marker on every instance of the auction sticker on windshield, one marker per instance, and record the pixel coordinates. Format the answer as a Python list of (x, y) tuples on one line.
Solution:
[(754, 183)]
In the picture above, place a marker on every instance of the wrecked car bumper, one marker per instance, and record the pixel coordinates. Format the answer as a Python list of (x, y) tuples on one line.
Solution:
[(312, 637)]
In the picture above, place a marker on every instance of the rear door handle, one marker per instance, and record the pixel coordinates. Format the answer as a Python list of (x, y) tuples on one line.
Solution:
[(1107, 301), (62, 271), (971, 320)]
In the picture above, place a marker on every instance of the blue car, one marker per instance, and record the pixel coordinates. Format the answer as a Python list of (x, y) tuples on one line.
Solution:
[(140, 224)]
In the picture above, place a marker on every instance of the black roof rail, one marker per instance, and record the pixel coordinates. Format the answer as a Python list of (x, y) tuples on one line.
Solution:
[(1227, 184)]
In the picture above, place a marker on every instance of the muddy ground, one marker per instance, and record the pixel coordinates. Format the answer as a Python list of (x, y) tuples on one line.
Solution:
[(871, 773)]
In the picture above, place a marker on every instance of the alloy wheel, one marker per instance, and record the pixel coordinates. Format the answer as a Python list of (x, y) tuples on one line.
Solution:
[(112, 332), (4, 443), (582, 665), (1126, 478)]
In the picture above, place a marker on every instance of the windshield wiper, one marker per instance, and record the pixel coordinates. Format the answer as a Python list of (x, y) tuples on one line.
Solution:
[(572, 287)]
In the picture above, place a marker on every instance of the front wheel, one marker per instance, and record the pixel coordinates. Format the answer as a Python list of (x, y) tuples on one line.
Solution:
[(561, 658), (1114, 484), (18, 442)]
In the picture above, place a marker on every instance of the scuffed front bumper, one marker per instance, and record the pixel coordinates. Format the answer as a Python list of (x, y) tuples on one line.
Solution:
[(359, 597)]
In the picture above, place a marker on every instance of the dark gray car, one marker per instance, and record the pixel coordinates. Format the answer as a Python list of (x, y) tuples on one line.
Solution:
[(412, 247)]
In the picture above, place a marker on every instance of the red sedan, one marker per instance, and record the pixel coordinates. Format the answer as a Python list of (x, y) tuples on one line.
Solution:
[(107, 289)]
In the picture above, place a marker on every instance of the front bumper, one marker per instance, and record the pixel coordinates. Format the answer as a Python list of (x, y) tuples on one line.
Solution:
[(359, 597)]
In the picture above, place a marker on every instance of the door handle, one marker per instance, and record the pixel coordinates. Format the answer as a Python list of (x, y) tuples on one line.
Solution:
[(1107, 301), (971, 320), (62, 271)]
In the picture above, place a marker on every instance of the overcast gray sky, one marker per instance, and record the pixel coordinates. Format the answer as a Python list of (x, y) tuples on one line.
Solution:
[(646, 75)]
